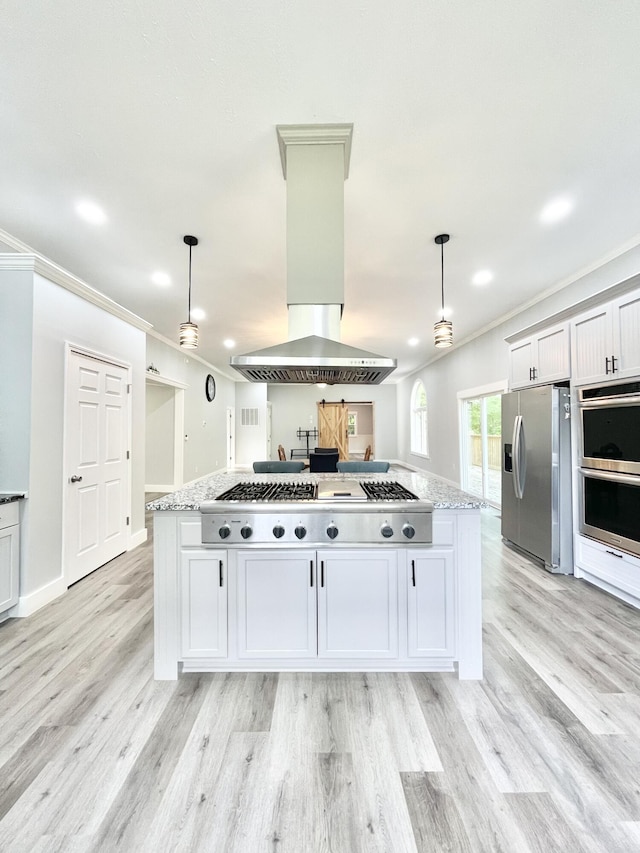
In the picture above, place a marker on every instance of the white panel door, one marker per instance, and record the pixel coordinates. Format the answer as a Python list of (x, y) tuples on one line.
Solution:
[(358, 604), (276, 604), (96, 441)]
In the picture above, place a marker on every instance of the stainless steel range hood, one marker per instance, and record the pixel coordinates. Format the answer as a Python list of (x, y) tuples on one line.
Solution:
[(312, 360), (315, 164)]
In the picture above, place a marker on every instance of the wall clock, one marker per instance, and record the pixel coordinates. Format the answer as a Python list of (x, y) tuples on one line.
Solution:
[(210, 387)]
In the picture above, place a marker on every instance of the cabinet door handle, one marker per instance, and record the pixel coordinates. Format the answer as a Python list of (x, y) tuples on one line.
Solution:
[(221, 577), (413, 572), (533, 373), (310, 572), (613, 554), (321, 572), (606, 365), (613, 364)]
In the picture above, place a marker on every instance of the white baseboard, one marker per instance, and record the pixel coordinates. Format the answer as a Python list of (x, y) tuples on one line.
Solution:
[(28, 604), (137, 538)]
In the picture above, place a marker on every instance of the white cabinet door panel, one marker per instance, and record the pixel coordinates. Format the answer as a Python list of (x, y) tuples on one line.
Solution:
[(431, 615), (626, 335), (276, 604), (203, 596), (358, 604)]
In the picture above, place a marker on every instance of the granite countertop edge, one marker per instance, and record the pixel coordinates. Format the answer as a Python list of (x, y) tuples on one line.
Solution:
[(10, 497), (426, 487)]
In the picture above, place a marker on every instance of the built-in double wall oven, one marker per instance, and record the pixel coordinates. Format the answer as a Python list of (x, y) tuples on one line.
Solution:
[(610, 464)]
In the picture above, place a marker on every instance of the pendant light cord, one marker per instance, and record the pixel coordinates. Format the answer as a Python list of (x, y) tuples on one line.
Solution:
[(190, 248), (442, 275)]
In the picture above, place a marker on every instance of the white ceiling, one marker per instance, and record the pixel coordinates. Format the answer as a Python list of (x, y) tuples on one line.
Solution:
[(468, 118)]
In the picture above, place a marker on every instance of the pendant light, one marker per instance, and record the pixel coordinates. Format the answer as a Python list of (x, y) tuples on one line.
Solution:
[(189, 330), (443, 329)]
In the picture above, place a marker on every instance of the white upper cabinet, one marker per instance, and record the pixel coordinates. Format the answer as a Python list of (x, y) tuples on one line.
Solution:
[(605, 341), (540, 359)]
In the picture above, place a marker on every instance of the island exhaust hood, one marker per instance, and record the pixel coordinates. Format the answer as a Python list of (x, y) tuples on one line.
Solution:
[(315, 164)]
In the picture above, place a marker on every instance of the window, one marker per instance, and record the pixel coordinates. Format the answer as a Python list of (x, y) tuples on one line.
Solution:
[(419, 432), (352, 423)]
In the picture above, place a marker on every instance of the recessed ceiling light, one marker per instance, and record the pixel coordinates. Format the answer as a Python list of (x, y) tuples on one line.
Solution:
[(228, 343), (198, 314), (161, 278), (556, 210), (91, 212), (482, 277), (413, 342)]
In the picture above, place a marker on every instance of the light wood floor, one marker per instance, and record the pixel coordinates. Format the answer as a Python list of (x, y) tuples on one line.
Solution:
[(542, 755)]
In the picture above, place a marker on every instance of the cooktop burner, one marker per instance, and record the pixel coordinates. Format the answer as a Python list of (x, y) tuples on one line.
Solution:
[(375, 490), (269, 492)]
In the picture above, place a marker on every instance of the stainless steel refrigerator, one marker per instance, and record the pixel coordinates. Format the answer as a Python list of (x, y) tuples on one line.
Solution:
[(536, 475)]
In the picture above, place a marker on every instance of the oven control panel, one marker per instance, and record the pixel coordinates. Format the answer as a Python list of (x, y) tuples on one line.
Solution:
[(317, 528)]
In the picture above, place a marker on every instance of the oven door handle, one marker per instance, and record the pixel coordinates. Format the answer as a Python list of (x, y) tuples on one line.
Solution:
[(519, 466), (613, 476)]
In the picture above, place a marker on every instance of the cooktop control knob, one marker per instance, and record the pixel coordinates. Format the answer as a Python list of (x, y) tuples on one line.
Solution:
[(246, 531), (300, 531), (409, 530), (225, 531), (278, 531), (332, 531), (387, 531)]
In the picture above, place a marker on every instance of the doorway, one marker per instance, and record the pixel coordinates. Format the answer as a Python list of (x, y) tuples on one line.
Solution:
[(480, 444)]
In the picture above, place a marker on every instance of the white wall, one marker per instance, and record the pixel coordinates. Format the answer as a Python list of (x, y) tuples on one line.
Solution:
[(484, 361), (295, 406)]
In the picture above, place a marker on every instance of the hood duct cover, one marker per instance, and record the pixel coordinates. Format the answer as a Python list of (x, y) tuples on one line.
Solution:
[(315, 164), (312, 360)]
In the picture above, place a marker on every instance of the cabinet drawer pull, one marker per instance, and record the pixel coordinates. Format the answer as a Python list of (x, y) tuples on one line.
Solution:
[(310, 572), (321, 572), (613, 554), (413, 572), (221, 578)]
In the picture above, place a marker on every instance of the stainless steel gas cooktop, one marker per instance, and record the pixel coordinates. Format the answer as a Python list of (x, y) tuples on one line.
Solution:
[(330, 512)]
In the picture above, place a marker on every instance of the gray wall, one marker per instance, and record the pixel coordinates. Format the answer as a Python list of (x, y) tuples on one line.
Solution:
[(160, 435), (295, 406), (49, 316), (484, 361), (205, 441)]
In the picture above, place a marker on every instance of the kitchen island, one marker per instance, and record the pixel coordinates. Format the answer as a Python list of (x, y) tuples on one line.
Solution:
[(330, 606)]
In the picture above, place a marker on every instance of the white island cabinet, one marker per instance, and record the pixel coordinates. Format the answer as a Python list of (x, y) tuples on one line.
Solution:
[(341, 609)]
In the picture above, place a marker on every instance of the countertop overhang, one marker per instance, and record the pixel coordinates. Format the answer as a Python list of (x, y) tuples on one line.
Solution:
[(427, 487)]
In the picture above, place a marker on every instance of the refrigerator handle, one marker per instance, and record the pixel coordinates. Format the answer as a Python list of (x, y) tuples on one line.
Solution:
[(518, 485)]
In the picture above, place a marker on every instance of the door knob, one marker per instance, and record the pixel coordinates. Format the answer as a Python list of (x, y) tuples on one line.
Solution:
[(75, 479)]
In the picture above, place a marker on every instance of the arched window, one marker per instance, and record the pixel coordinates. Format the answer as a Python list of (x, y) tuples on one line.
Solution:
[(419, 429)]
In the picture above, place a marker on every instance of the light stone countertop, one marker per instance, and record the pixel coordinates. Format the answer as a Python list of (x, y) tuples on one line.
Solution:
[(425, 486)]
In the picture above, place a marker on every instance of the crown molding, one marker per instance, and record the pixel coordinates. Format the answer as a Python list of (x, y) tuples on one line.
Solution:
[(35, 263)]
